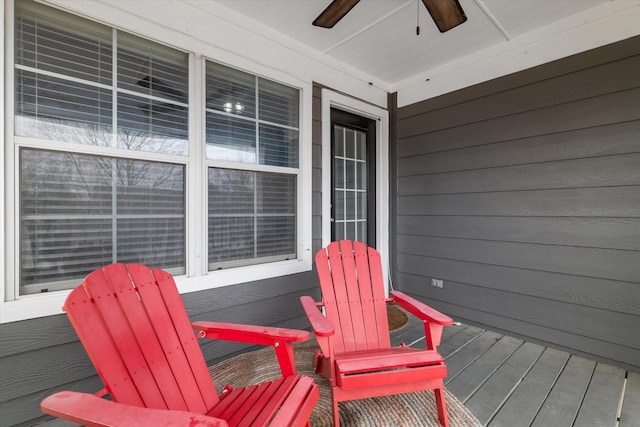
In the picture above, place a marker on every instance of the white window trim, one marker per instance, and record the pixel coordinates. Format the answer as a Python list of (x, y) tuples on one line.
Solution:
[(15, 307), (331, 99)]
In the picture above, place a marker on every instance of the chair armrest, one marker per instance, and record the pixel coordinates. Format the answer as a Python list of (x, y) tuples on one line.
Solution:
[(280, 338), (420, 310), (321, 326), (90, 410), (263, 335)]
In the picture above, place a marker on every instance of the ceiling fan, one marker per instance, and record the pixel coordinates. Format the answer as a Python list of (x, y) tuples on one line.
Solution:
[(445, 13)]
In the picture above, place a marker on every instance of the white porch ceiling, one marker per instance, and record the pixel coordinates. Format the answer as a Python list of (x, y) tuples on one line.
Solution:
[(378, 37)]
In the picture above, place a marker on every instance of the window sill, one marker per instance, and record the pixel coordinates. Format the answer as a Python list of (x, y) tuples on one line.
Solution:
[(50, 303)]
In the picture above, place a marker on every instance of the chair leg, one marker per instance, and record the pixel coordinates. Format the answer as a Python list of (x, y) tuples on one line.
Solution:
[(442, 407), (336, 414)]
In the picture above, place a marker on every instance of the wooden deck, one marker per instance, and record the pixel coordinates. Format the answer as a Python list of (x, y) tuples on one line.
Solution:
[(507, 382)]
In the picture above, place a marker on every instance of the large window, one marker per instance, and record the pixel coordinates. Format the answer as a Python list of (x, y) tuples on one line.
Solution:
[(252, 211), (80, 212), (105, 165)]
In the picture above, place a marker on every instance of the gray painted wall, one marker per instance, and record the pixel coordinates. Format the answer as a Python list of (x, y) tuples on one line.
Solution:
[(523, 195), (41, 356)]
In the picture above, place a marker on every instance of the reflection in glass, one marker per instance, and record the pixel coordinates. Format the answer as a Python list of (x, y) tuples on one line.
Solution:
[(57, 109), (152, 69), (252, 217), (226, 86), (149, 125), (80, 212), (350, 174), (231, 138), (279, 104), (278, 146), (57, 42), (250, 119)]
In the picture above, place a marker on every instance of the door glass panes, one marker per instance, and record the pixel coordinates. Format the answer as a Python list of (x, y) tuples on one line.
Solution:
[(252, 217), (79, 212), (350, 184), (250, 119)]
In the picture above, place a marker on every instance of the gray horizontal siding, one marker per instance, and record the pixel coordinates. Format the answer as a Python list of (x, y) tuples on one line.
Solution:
[(523, 195)]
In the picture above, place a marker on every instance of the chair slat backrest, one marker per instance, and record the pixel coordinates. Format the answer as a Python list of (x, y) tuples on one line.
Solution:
[(352, 287), (135, 329)]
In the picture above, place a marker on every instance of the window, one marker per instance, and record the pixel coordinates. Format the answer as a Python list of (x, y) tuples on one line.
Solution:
[(110, 165), (252, 217), (252, 211), (81, 84), (80, 212)]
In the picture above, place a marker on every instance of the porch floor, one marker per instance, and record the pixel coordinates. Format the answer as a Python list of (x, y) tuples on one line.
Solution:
[(509, 382)]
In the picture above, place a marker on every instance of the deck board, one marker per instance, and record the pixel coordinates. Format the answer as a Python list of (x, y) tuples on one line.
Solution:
[(563, 403), (486, 401), (527, 399), (476, 374), (601, 403), (466, 355), (463, 335), (506, 382), (630, 415), (509, 383)]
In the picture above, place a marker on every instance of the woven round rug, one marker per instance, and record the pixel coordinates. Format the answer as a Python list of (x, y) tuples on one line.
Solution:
[(397, 317), (416, 409)]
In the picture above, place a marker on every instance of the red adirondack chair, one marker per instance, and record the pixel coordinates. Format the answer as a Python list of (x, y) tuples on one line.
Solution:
[(355, 347), (133, 324)]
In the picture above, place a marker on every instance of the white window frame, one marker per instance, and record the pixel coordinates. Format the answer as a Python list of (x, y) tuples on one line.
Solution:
[(15, 307), (331, 99)]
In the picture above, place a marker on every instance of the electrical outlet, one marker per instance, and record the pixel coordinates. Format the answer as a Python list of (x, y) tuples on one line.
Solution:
[(437, 283)]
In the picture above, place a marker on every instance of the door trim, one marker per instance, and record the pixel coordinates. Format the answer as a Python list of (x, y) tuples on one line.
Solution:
[(331, 99)]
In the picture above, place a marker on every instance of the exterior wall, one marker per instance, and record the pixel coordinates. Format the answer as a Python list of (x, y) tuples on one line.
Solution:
[(523, 195)]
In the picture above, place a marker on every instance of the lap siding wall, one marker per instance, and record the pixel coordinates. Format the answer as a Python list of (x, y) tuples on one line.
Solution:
[(523, 195)]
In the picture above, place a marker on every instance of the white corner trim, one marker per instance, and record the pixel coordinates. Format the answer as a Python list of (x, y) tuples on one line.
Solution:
[(331, 99)]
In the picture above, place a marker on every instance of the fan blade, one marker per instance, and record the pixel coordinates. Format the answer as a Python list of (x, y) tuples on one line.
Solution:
[(334, 13), (445, 13)]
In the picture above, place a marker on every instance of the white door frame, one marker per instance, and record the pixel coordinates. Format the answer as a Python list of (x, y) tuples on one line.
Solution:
[(331, 99)]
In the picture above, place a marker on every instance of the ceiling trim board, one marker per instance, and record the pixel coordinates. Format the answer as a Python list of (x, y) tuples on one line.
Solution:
[(493, 19), (605, 24)]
